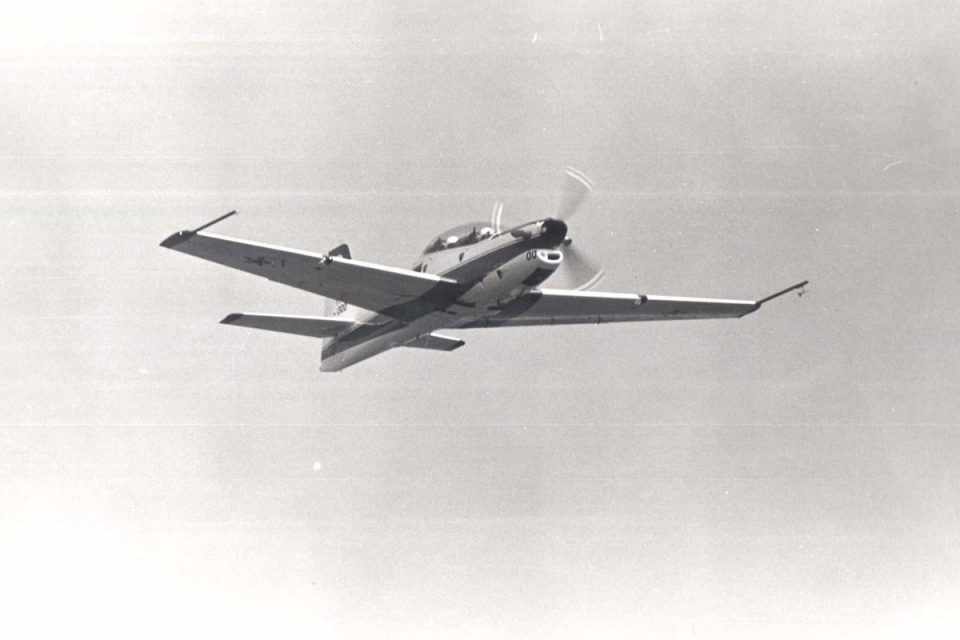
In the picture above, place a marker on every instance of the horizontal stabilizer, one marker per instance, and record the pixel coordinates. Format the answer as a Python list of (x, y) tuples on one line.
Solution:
[(300, 325), (436, 341)]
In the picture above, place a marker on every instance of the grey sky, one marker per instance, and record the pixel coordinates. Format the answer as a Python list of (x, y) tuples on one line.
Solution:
[(794, 472)]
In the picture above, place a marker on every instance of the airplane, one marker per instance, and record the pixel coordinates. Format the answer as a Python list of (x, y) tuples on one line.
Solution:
[(474, 275)]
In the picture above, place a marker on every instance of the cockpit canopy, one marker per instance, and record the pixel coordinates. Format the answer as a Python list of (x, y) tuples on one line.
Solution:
[(461, 236)]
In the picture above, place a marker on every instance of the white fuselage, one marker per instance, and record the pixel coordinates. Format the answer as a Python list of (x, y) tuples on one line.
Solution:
[(493, 271)]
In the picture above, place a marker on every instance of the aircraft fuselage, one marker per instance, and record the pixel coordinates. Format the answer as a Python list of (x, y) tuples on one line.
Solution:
[(492, 270)]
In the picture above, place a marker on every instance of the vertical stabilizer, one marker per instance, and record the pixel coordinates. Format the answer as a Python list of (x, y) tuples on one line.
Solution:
[(337, 308)]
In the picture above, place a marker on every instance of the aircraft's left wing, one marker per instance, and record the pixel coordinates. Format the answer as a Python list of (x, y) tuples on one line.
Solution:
[(558, 306), (387, 290)]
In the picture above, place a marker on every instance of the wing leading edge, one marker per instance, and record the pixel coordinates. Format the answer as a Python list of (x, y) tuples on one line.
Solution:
[(559, 306)]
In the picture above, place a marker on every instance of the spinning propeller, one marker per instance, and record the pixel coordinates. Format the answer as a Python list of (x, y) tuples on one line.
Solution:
[(495, 216), (576, 188), (578, 271)]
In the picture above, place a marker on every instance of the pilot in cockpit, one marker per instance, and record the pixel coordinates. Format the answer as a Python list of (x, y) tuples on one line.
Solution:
[(474, 236), (461, 236)]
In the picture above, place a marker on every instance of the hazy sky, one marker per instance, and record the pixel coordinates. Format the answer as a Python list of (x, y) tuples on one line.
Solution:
[(794, 473)]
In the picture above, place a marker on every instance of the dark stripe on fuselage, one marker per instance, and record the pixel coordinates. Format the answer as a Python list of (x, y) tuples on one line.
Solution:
[(468, 273), (472, 271), (511, 310), (358, 335), (537, 277)]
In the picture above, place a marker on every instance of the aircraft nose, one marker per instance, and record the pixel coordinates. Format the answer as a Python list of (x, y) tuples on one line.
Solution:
[(554, 229)]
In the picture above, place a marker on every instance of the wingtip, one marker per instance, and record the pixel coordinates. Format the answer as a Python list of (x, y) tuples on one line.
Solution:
[(174, 239), (215, 221), (799, 285), (231, 318)]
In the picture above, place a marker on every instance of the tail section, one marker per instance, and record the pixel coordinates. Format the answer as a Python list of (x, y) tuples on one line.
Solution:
[(337, 308), (314, 327)]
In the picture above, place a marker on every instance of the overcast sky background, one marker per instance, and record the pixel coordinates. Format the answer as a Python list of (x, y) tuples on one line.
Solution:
[(791, 473)]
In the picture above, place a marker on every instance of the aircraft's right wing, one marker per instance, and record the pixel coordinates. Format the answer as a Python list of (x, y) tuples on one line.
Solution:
[(388, 290), (559, 306)]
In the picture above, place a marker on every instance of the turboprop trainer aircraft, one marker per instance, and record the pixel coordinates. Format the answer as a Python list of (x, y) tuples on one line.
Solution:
[(474, 275)]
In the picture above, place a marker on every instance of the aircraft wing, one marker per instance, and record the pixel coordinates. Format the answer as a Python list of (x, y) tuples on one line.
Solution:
[(388, 290), (559, 306)]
